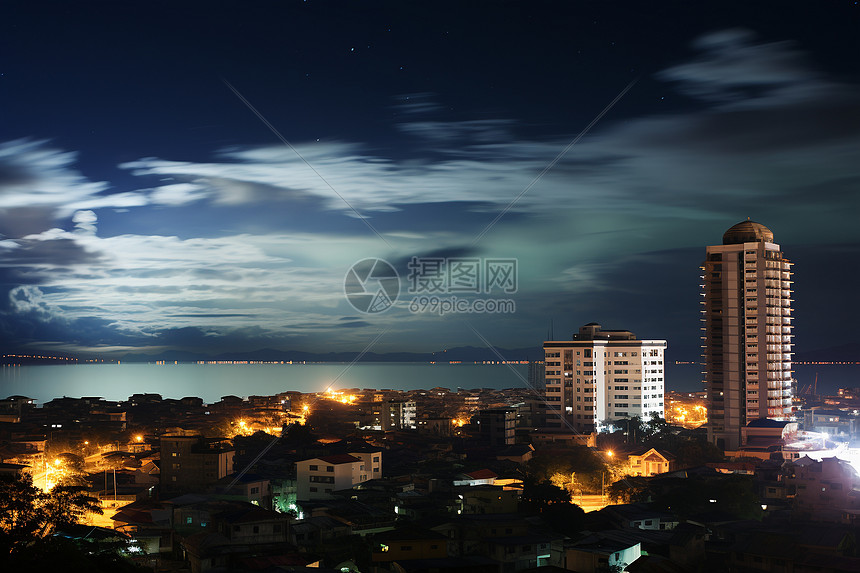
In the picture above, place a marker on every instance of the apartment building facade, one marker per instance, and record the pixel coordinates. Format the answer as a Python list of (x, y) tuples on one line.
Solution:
[(193, 463), (600, 376), (318, 478)]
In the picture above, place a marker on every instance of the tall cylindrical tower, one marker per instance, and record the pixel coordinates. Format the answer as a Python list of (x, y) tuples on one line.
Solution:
[(746, 320)]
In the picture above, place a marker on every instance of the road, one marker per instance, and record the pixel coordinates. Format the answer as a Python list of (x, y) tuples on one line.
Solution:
[(590, 502)]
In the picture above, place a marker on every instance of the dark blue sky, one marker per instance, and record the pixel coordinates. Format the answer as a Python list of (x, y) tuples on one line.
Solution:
[(143, 206)]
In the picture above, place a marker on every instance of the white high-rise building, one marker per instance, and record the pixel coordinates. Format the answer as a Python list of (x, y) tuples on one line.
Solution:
[(747, 324), (602, 375)]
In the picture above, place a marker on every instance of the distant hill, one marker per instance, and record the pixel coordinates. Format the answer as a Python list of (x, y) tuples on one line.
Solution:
[(461, 354), (843, 353)]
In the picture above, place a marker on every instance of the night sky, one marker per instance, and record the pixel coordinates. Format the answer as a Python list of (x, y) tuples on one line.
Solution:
[(144, 206)]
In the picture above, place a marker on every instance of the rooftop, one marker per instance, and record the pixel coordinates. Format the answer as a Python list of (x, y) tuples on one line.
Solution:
[(339, 459), (482, 474), (747, 232)]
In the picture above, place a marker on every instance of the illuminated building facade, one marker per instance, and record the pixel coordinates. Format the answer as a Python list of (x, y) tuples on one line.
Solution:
[(317, 478), (602, 375), (747, 332)]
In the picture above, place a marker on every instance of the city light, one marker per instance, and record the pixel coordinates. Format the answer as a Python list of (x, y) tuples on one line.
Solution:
[(241, 428), (340, 396), (689, 415), (54, 472)]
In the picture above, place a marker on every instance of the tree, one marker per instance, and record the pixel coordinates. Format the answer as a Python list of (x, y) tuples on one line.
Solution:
[(631, 428), (297, 435), (655, 427), (588, 466), (565, 518), (539, 496), (629, 490), (27, 513), (692, 453), (32, 527)]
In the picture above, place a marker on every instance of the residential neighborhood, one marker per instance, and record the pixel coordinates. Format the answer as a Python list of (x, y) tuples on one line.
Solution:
[(294, 481)]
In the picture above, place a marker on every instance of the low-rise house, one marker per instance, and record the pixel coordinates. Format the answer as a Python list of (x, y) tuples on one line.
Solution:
[(148, 472), (822, 485), (251, 525), (26, 450), (467, 534), (831, 421), (734, 467), (477, 477), (252, 488), (312, 531), (562, 437), (217, 532), (519, 552), (486, 499), (519, 453), (362, 519), (640, 516), (596, 553), (408, 543), (317, 478), (149, 522), (650, 462), (113, 499)]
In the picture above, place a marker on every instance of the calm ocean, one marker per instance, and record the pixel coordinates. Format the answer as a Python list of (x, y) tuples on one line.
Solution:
[(212, 381)]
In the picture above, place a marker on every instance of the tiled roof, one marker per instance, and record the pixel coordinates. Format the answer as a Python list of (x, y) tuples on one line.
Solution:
[(339, 459)]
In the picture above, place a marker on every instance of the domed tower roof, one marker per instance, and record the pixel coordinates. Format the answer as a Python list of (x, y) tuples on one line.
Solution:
[(747, 232)]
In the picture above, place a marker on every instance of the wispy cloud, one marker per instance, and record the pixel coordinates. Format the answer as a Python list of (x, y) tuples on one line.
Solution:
[(418, 103), (734, 68), (769, 136)]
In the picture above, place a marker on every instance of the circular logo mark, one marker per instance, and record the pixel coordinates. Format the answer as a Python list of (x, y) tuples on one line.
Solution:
[(371, 285)]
